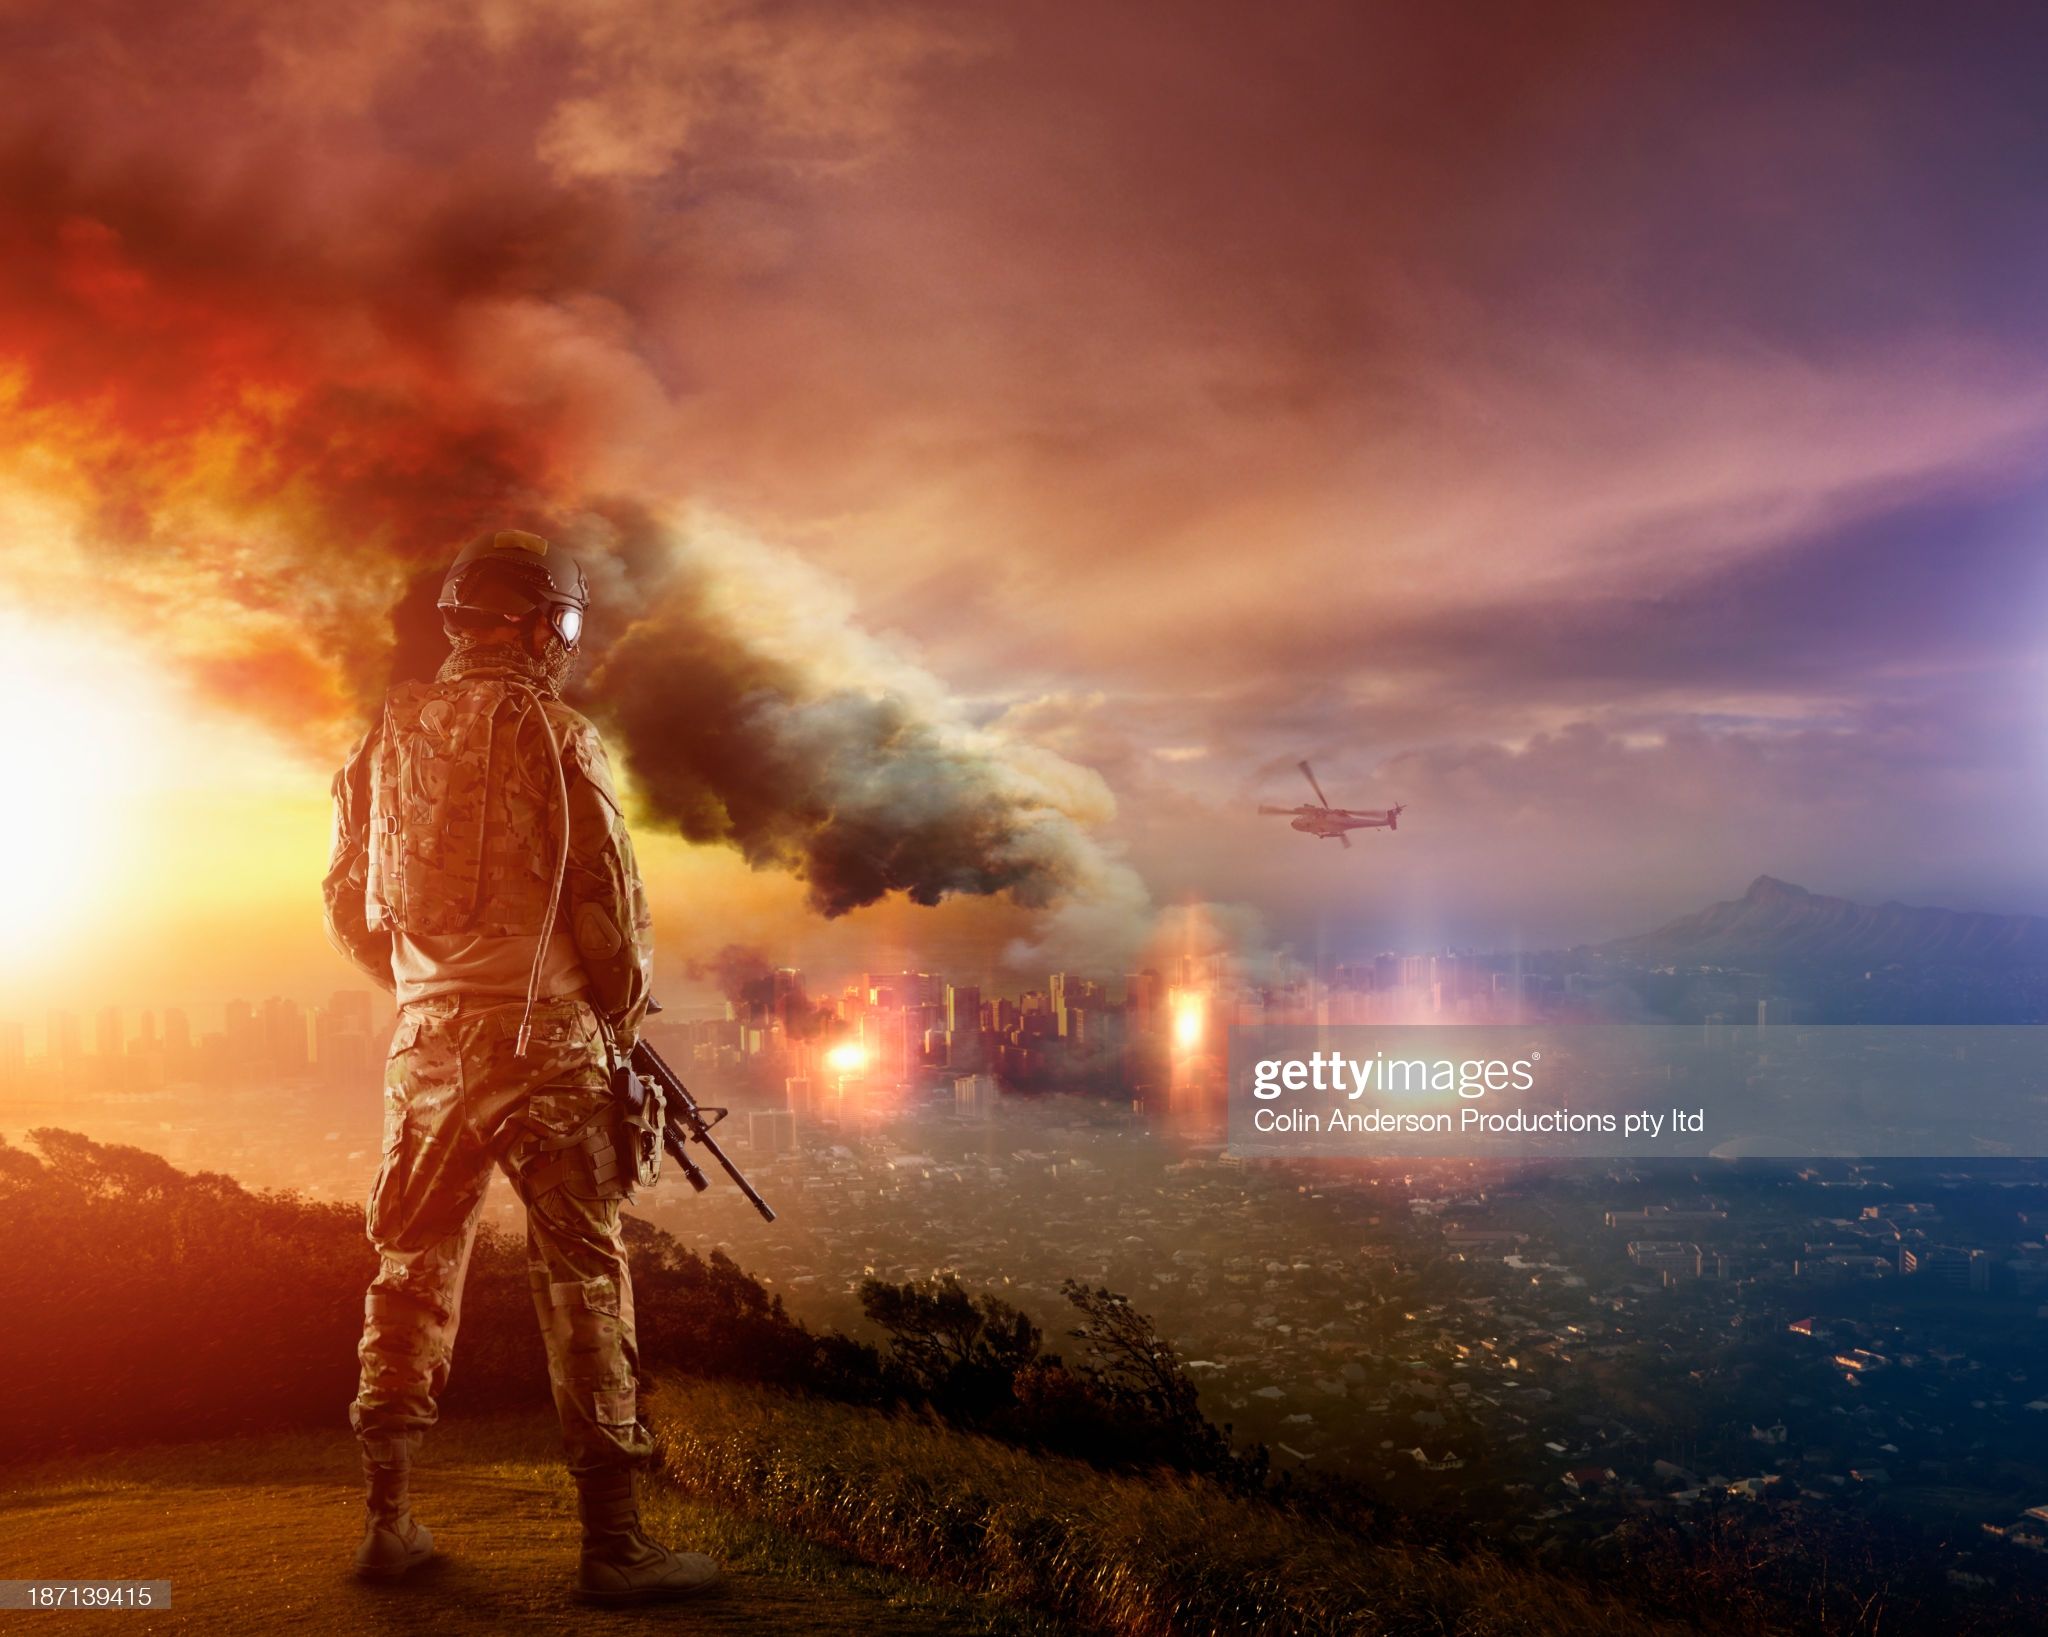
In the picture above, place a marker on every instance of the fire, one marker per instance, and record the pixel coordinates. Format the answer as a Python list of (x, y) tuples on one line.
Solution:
[(846, 1058), (1187, 1022)]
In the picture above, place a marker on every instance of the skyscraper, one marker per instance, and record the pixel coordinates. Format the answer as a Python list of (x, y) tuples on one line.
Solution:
[(963, 1027), (1141, 1000), (60, 1040), (974, 1096), (284, 1036)]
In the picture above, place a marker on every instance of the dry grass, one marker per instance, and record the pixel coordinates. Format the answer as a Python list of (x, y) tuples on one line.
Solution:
[(1143, 1556), (257, 1534)]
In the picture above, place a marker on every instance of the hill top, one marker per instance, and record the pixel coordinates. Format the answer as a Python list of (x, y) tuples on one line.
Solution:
[(1776, 920)]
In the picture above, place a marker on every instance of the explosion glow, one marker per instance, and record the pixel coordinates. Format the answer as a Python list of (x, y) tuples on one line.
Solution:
[(1187, 1022), (846, 1058)]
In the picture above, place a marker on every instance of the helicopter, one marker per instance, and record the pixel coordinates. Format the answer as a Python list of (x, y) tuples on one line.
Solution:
[(1326, 821)]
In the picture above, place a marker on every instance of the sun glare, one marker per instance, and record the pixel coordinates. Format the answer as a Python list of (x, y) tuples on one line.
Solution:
[(82, 746)]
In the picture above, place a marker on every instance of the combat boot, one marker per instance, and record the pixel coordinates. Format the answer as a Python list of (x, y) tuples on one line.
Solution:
[(620, 1564), (392, 1541)]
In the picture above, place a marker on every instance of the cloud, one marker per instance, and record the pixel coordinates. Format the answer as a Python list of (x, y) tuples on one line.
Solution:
[(271, 416), (1455, 404)]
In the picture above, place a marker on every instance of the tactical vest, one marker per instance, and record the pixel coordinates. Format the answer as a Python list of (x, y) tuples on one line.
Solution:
[(463, 823)]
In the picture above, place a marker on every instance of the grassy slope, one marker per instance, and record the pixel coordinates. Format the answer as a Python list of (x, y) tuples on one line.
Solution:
[(256, 1535), (1146, 1557), (830, 1519)]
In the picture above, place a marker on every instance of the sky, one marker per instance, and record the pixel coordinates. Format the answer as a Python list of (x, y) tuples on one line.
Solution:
[(1008, 437)]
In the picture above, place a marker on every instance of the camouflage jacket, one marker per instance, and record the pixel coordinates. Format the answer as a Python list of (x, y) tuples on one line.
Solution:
[(447, 821)]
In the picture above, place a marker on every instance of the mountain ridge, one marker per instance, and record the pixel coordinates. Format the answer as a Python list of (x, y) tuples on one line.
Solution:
[(1776, 919)]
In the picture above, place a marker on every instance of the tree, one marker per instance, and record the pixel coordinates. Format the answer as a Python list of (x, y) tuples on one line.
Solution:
[(961, 1352), (1136, 1369)]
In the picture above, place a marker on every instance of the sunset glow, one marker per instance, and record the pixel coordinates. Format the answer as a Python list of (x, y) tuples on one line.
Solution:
[(797, 328), (83, 747)]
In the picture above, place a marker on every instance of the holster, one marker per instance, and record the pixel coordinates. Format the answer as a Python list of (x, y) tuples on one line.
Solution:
[(590, 1158)]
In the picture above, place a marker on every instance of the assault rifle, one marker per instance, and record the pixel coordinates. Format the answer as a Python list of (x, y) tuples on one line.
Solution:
[(684, 1120)]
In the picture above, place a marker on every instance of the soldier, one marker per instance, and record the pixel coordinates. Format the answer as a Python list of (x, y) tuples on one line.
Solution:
[(482, 872)]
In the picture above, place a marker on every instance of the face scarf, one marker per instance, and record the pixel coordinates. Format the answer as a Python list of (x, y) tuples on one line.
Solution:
[(469, 653)]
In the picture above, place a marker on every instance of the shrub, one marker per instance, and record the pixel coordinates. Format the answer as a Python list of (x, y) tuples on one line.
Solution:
[(144, 1303)]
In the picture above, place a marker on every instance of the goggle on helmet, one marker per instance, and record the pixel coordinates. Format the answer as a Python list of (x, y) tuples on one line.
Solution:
[(513, 574)]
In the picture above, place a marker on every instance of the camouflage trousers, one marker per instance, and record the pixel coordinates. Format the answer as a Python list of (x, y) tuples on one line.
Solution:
[(456, 1102)]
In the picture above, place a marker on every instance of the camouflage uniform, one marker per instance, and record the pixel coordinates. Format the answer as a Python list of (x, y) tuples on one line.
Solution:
[(447, 833)]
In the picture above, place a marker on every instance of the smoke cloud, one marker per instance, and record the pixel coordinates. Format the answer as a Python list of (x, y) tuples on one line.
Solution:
[(265, 374), (747, 978), (767, 723)]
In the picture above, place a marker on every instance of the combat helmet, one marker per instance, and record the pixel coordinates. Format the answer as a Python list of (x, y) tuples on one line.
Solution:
[(512, 574)]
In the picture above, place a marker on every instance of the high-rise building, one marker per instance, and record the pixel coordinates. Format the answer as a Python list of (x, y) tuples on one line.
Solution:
[(974, 1096), (107, 1037), (901, 989), (892, 1038), (179, 1057), (791, 1001), (1064, 993), (13, 1053), (963, 1027), (61, 1040), (1670, 1257), (771, 1131), (243, 1038), (347, 1058), (1141, 1000), (1959, 1268), (344, 1053), (284, 1036), (924, 1028)]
